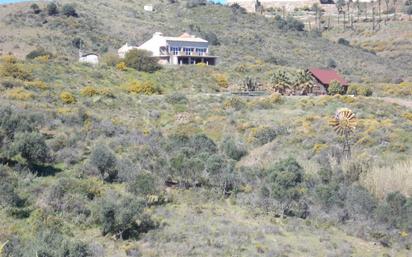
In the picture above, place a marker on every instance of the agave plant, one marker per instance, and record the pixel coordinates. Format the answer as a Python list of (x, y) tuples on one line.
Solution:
[(344, 123)]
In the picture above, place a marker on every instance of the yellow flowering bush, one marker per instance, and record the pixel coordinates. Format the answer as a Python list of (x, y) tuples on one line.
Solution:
[(121, 66), (141, 87), (88, 91), (19, 94), (67, 97)]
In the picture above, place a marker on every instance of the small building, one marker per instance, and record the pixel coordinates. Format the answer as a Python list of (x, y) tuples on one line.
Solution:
[(323, 78), (148, 8), (185, 49), (89, 58)]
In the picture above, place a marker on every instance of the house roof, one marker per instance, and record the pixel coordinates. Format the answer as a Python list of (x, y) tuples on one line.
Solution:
[(326, 76), (186, 37)]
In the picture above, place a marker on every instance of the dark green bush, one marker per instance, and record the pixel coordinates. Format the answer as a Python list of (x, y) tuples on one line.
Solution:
[(283, 185), (290, 24), (195, 3), (141, 60), (37, 53), (232, 149), (52, 9), (143, 184), (124, 217), (35, 8), (8, 189), (105, 161), (176, 98), (32, 147), (265, 135), (343, 41), (69, 10), (354, 89), (396, 211)]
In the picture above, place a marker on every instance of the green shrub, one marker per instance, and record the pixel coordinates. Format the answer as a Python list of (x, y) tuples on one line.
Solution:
[(289, 24), (354, 89), (37, 53), (396, 210), (232, 149), (32, 147), (52, 9), (143, 184), (264, 135), (8, 189), (335, 88), (35, 8), (141, 60), (105, 161), (177, 98), (124, 217), (69, 10), (235, 103), (195, 3), (284, 183)]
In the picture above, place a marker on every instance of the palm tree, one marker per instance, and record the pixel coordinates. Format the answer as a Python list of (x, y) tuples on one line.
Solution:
[(339, 6), (394, 7), (387, 9), (379, 9), (358, 6)]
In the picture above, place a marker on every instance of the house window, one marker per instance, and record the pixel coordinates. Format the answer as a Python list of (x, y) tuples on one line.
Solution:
[(188, 51), (201, 51), (174, 50)]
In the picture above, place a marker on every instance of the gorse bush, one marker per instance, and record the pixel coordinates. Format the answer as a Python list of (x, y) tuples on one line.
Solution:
[(19, 94), (141, 87), (221, 80), (67, 97), (14, 70)]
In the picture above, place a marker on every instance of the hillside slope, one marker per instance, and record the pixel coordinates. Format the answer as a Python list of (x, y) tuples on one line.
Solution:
[(243, 38)]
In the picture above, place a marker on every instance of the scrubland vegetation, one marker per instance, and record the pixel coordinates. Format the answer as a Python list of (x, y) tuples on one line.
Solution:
[(116, 162), (129, 158)]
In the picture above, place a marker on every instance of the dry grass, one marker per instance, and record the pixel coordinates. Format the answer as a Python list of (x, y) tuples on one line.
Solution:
[(382, 180)]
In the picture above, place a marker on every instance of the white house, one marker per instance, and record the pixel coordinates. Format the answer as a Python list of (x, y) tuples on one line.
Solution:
[(89, 58), (185, 49)]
